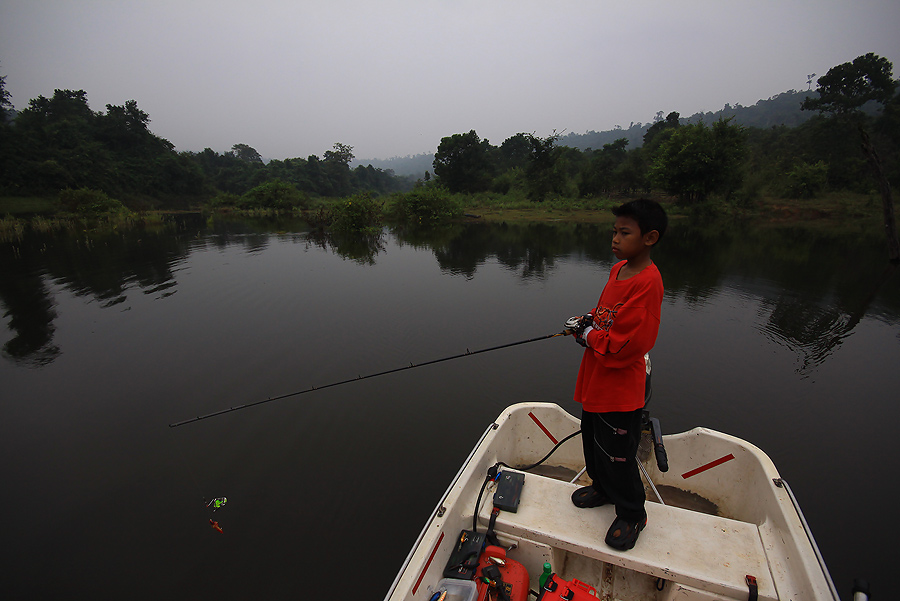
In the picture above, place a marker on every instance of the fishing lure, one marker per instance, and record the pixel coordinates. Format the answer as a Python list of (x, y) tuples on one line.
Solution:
[(217, 503), (216, 526)]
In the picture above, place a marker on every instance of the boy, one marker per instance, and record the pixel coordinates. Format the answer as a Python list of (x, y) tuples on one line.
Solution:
[(611, 384)]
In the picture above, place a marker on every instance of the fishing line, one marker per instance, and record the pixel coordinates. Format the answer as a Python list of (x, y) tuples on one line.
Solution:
[(468, 353)]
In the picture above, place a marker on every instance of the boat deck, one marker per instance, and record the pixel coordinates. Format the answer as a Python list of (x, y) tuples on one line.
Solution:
[(722, 551)]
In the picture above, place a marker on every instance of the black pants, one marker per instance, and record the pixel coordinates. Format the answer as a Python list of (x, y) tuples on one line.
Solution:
[(610, 446)]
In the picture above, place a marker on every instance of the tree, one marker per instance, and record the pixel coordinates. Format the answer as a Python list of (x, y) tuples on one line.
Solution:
[(697, 161), (58, 146), (848, 86), (123, 129), (341, 154), (463, 162), (5, 103), (246, 153), (843, 91), (544, 174), (653, 137), (514, 152), (336, 166), (599, 176)]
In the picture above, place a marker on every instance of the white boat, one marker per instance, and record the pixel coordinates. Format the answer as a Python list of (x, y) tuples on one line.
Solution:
[(720, 519)]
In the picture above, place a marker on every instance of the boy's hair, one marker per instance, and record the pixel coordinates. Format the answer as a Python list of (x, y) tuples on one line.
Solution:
[(648, 214)]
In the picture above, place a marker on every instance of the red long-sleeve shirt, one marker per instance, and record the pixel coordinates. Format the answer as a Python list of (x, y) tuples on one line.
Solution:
[(612, 375)]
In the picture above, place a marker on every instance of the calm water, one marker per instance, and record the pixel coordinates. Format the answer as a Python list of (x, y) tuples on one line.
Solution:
[(780, 336)]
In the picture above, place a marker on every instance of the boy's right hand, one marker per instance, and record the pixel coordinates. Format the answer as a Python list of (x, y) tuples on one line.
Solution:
[(578, 325)]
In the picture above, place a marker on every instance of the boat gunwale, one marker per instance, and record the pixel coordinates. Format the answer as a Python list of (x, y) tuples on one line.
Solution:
[(437, 509), (514, 413)]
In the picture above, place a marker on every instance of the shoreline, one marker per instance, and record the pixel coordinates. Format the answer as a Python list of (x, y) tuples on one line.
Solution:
[(830, 210)]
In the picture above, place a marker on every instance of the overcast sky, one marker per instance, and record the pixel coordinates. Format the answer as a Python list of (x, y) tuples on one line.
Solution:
[(392, 77)]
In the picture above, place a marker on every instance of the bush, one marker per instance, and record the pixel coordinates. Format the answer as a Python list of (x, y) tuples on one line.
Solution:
[(275, 194), (225, 199), (357, 214), (427, 205), (807, 180), (89, 202)]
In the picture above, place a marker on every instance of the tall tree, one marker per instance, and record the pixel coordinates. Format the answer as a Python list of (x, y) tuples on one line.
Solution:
[(246, 153), (697, 161), (464, 163), (599, 175), (514, 152), (545, 174), (5, 101), (336, 165), (843, 91)]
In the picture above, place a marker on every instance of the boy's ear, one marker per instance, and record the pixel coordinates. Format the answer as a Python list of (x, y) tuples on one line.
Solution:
[(651, 238)]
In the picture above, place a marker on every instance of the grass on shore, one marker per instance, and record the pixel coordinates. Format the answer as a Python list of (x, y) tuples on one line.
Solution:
[(830, 209)]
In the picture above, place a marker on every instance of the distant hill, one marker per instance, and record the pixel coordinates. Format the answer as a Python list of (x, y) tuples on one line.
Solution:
[(414, 166), (781, 109)]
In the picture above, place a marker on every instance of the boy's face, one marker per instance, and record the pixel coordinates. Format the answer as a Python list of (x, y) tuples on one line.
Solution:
[(628, 242)]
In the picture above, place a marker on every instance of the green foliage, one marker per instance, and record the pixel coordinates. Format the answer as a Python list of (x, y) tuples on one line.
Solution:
[(507, 181), (357, 214), (545, 173), (427, 205), (807, 180), (246, 153), (225, 199), (5, 101), (85, 201), (59, 143), (515, 152), (604, 171), (697, 161), (464, 163), (849, 86), (273, 195)]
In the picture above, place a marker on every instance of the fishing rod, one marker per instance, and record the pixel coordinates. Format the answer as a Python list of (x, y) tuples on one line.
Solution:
[(468, 353)]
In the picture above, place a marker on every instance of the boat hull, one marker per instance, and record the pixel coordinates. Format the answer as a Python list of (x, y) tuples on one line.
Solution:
[(737, 519)]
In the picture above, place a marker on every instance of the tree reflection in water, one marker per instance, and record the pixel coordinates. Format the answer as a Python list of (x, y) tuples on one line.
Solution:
[(815, 329), (815, 287)]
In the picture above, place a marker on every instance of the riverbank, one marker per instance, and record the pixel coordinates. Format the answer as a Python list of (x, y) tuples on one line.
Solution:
[(833, 209)]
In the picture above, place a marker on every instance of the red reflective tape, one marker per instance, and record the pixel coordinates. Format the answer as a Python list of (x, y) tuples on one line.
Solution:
[(708, 466), (428, 563), (541, 426)]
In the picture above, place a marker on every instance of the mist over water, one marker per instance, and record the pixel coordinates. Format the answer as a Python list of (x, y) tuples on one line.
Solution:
[(785, 337)]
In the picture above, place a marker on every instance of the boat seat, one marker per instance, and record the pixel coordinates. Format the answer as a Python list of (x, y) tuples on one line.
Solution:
[(703, 551)]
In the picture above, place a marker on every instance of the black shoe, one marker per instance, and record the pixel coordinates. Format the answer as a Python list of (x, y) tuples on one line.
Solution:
[(588, 496), (623, 534)]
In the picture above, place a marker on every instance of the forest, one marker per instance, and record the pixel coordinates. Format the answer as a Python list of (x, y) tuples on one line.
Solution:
[(797, 145)]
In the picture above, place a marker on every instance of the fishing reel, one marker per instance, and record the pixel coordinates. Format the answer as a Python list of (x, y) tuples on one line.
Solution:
[(576, 326), (572, 323)]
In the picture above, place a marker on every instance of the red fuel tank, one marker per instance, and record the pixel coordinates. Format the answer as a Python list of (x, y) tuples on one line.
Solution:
[(497, 573), (567, 590)]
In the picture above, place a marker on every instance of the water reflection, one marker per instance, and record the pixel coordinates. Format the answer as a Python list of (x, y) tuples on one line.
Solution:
[(30, 309), (362, 248), (814, 288), (531, 250)]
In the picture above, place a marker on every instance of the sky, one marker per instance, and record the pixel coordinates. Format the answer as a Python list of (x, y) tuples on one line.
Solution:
[(392, 77)]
